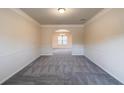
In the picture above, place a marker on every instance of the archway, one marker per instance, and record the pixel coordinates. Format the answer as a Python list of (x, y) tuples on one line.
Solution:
[(62, 40)]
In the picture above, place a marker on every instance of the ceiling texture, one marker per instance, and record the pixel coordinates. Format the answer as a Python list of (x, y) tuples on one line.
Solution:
[(51, 16)]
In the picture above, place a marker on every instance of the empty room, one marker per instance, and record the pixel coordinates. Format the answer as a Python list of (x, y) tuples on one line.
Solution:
[(61, 46)]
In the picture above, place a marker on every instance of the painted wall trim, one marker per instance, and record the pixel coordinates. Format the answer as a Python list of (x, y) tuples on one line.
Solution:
[(69, 25), (98, 15), (49, 54), (24, 15), (77, 54)]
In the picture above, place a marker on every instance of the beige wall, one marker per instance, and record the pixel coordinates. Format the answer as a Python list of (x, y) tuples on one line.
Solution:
[(55, 40), (77, 38), (19, 42), (46, 41), (104, 41)]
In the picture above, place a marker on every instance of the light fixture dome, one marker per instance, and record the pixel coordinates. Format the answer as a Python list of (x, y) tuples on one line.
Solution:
[(61, 10)]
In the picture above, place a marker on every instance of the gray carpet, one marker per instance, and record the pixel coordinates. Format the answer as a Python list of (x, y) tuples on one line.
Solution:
[(62, 69)]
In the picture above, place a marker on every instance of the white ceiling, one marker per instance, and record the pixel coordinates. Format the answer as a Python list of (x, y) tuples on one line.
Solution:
[(52, 16)]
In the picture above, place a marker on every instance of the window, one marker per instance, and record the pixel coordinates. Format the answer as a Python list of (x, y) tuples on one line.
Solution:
[(62, 39)]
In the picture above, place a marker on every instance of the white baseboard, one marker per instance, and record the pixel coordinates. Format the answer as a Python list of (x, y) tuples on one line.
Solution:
[(5, 79), (49, 54), (77, 54), (77, 50), (46, 51)]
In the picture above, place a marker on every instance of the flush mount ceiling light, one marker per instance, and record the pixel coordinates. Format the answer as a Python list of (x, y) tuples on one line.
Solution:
[(61, 10)]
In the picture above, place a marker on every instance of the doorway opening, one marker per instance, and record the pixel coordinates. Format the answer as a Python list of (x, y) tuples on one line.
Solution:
[(62, 42)]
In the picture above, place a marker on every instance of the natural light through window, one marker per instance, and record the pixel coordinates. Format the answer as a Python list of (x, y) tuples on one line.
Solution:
[(62, 39)]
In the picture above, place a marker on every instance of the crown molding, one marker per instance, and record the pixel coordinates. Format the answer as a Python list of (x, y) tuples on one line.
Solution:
[(23, 14), (98, 15), (70, 25)]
